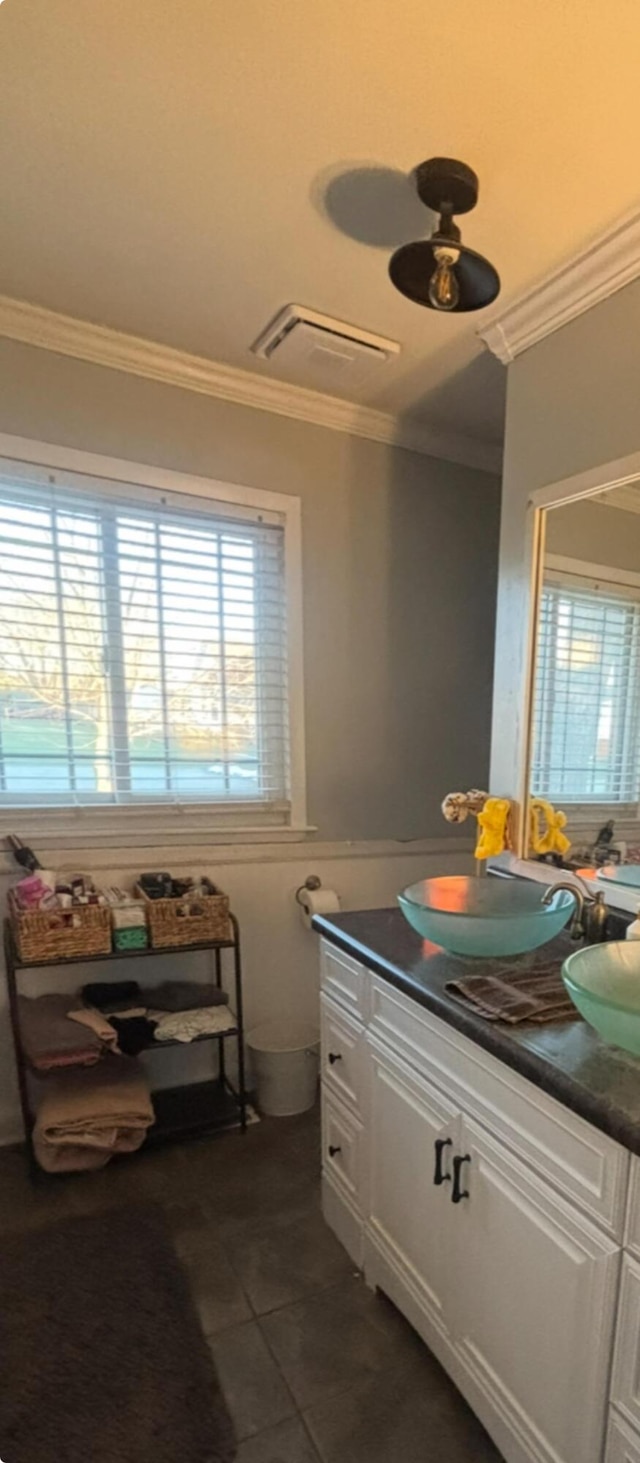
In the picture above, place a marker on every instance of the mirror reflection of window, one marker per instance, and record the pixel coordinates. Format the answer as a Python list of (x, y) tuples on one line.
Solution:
[(585, 735), (587, 681)]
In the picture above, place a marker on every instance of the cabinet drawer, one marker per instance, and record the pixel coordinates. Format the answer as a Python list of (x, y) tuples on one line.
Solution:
[(583, 1164), (341, 1146), (623, 1444), (345, 980), (625, 1382), (342, 1041)]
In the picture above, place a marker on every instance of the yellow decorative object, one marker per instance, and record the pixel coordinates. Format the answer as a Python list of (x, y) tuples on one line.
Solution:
[(493, 828), (550, 838)]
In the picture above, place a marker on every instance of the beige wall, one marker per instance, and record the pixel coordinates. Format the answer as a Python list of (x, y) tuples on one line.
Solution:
[(399, 574), (572, 403)]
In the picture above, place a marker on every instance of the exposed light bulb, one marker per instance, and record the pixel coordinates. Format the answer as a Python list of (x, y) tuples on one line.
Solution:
[(444, 290)]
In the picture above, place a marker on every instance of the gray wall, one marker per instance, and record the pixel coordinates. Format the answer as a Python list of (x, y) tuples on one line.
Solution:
[(400, 562), (572, 400), (595, 533), (572, 403)]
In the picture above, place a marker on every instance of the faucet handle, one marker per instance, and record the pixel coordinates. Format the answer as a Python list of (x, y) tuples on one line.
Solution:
[(595, 918), (591, 913), (576, 928)]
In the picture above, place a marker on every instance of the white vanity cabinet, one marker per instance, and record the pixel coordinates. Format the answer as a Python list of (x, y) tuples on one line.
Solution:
[(509, 1267), (624, 1431)]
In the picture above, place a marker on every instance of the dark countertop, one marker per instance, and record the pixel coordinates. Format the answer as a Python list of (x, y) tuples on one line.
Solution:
[(566, 1059)]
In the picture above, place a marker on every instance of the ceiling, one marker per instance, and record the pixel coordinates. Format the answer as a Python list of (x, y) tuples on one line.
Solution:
[(180, 171)]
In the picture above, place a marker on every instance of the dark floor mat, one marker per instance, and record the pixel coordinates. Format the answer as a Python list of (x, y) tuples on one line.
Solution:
[(101, 1352)]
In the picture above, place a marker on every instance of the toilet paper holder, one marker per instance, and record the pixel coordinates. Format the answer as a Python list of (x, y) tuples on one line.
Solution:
[(312, 882)]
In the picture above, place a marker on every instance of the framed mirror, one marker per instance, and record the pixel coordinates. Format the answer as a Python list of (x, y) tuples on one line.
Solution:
[(583, 740)]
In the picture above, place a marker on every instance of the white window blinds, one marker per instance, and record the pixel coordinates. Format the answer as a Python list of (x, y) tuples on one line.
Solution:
[(587, 695), (142, 649)]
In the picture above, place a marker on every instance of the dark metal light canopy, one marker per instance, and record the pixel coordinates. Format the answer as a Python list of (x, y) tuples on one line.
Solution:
[(441, 272)]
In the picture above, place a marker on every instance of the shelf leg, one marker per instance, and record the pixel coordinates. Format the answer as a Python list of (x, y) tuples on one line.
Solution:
[(242, 1091), (17, 1045)]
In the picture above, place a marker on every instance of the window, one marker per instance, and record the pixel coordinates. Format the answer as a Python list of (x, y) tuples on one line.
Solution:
[(143, 647), (587, 693)]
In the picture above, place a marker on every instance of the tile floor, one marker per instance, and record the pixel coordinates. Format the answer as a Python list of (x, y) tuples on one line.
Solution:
[(314, 1366)]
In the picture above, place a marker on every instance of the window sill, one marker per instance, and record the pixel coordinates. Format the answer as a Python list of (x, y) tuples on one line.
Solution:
[(152, 827)]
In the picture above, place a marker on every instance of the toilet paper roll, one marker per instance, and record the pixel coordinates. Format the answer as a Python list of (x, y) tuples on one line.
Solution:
[(317, 901)]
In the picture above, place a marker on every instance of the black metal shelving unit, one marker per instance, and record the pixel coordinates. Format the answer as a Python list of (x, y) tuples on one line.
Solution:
[(184, 1111)]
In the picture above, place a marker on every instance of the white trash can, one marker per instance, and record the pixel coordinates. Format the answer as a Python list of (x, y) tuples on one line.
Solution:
[(286, 1060)]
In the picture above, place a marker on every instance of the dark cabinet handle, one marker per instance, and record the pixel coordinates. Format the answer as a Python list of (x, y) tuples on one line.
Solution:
[(333, 1149), (457, 1193), (334, 1057), (439, 1177)]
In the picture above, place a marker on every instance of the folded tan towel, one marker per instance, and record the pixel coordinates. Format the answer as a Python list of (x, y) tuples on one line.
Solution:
[(540, 998), (85, 1116), (96, 1022)]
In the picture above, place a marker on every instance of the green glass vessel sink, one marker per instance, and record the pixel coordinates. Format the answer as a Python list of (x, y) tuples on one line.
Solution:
[(485, 916), (604, 984)]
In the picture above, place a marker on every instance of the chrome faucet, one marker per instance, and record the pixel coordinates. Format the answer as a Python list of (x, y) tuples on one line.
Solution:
[(591, 913)]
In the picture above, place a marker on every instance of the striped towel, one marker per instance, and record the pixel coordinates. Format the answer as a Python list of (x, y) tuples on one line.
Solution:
[(515, 998)]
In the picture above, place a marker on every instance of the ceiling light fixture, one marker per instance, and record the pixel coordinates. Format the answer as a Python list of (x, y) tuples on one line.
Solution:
[(441, 272)]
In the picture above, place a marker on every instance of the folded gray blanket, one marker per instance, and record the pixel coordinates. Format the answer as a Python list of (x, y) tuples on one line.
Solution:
[(182, 995), (49, 1039)]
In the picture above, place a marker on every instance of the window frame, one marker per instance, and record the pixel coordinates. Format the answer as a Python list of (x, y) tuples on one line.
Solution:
[(164, 822)]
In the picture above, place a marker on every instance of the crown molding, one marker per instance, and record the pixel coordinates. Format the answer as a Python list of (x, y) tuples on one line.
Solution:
[(605, 266), (63, 334)]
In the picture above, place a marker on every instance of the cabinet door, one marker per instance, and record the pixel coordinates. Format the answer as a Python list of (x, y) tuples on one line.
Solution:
[(410, 1213), (623, 1444), (625, 1381), (533, 1304)]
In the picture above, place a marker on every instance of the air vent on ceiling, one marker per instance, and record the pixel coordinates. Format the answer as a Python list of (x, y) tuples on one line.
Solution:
[(315, 350)]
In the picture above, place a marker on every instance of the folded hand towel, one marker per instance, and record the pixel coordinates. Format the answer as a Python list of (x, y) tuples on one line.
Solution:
[(134, 1033), (540, 998), (96, 1022), (50, 1039), (86, 1116)]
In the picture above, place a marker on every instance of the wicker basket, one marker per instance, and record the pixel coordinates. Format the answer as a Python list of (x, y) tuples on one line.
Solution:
[(60, 934), (192, 919)]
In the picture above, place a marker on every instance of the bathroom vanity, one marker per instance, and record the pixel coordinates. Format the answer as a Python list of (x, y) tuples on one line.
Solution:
[(487, 1179)]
